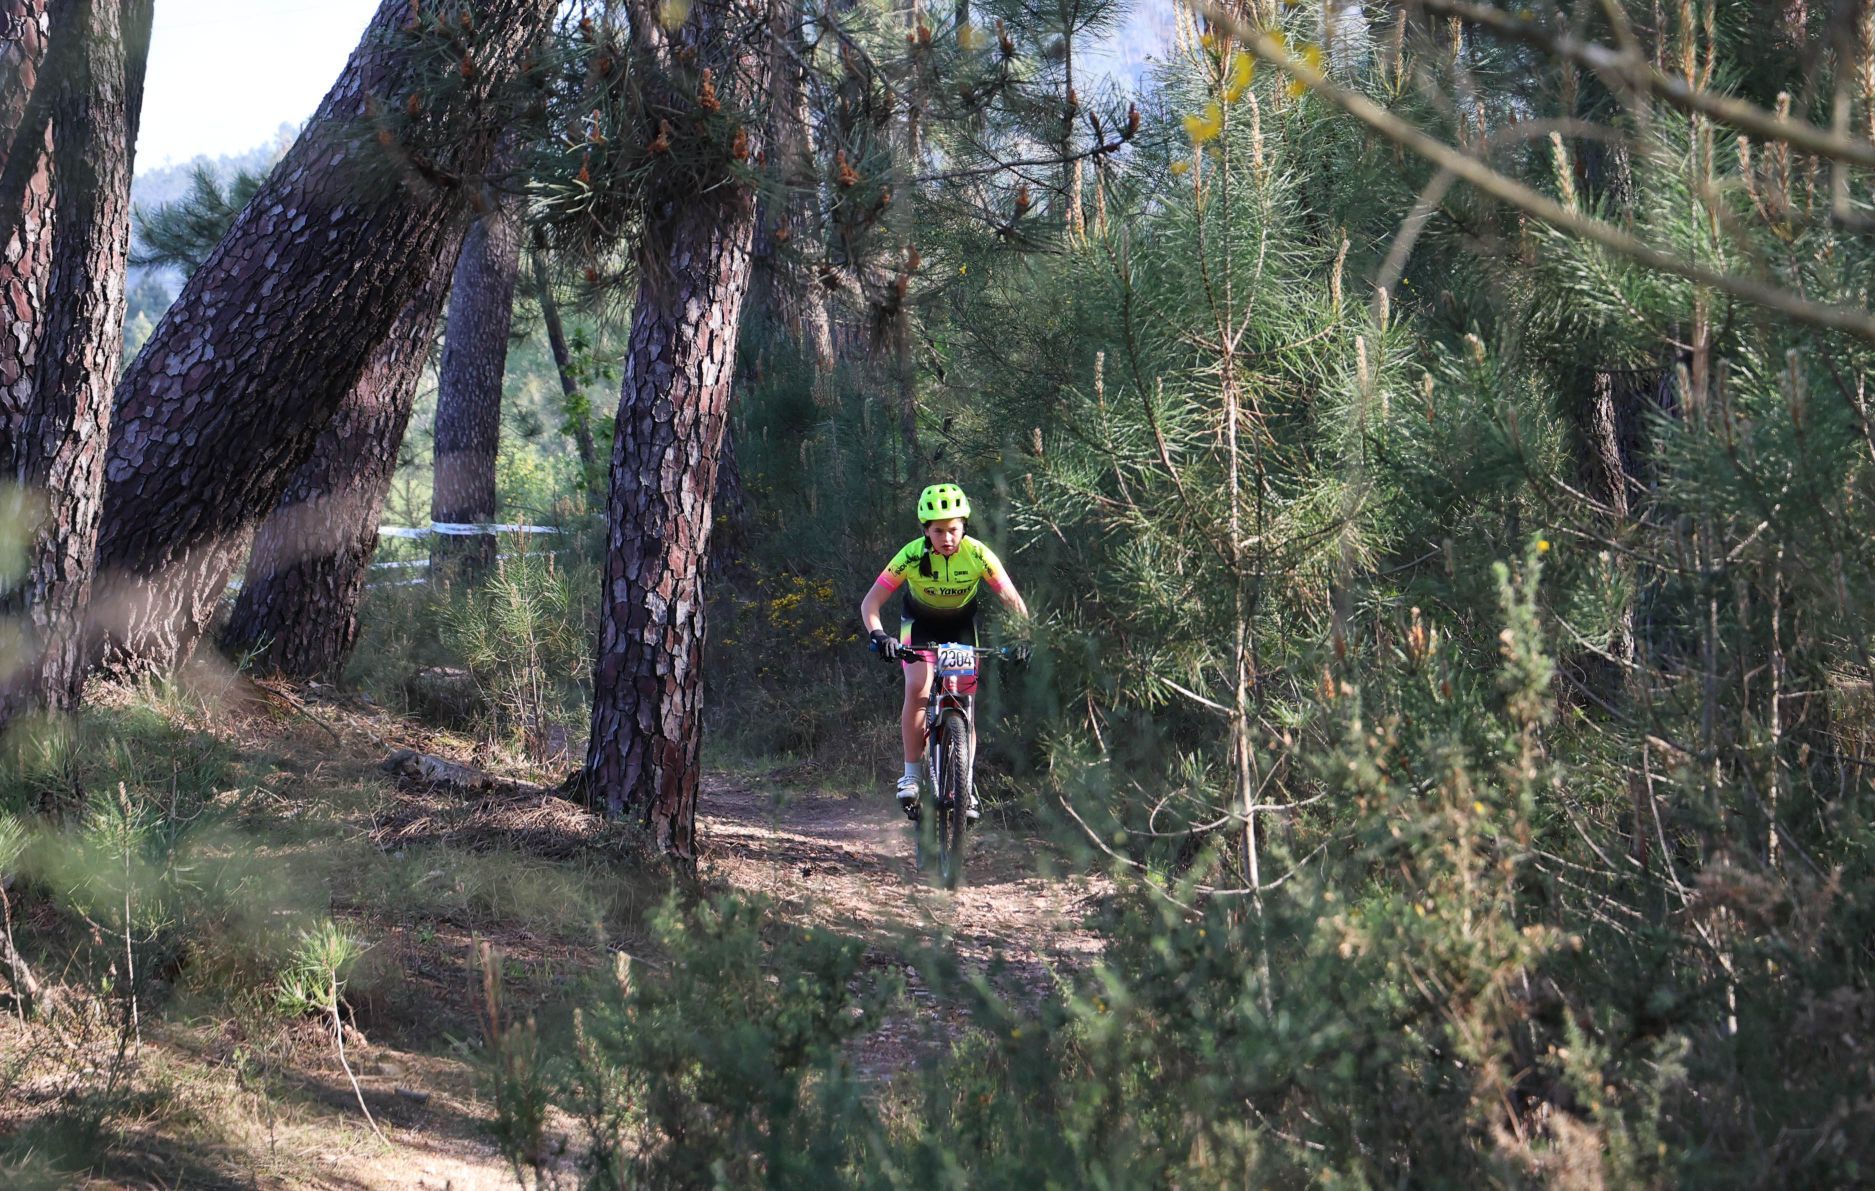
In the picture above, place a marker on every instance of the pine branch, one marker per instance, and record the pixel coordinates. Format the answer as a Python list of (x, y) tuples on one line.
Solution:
[(1505, 189), (1633, 68)]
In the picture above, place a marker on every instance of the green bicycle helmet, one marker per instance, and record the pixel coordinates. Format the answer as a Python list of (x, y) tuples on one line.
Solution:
[(940, 501)]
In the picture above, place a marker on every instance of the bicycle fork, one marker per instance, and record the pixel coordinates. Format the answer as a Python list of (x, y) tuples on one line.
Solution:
[(934, 741)]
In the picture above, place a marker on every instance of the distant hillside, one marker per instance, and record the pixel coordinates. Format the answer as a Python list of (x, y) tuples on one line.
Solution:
[(152, 290), (166, 183)]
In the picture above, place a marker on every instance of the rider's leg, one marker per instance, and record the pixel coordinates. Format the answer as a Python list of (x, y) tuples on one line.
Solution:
[(911, 729), (917, 698)]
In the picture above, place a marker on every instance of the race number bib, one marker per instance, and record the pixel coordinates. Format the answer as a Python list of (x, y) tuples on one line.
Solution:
[(956, 659)]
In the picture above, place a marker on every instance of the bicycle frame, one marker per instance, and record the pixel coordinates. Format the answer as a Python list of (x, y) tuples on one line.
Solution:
[(952, 700), (953, 688)]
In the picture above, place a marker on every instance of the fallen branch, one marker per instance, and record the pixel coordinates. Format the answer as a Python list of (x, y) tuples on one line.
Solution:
[(409, 763)]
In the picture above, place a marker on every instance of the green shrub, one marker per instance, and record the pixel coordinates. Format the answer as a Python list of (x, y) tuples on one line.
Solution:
[(720, 1064), (526, 637)]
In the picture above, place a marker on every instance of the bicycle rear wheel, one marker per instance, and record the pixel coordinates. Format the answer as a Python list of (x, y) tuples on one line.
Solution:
[(953, 797)]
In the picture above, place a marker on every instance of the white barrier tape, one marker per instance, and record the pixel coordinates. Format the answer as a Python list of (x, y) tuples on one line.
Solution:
[(424, 562), (457, 529)]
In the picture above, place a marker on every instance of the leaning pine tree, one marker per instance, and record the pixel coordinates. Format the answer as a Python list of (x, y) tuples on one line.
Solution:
[(298, 606), (297, 613), (694, 268), (230, 393)]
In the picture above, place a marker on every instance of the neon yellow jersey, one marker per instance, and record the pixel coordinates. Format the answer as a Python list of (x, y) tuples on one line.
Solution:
[(943, 583)]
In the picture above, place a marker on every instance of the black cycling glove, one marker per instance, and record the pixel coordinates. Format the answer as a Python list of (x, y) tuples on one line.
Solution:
[(885, 645)]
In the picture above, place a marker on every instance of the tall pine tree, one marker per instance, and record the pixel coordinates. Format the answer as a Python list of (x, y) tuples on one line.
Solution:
[(89, 95)]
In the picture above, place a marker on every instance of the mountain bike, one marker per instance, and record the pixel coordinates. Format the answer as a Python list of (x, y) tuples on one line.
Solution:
[(950, 754)]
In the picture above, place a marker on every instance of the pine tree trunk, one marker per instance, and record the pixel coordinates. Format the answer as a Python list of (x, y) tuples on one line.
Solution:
[(299, 602), (729, 508), (94, 78), (228, 396), (25, 236), (577, 420), (468, 399), (1610, 430), (804, 299), (694, 268)]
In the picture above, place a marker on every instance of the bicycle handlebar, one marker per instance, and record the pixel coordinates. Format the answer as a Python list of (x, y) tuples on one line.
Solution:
[(1006, 652)]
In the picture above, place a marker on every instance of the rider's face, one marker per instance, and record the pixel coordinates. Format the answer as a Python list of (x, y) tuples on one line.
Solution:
[(946, 535)]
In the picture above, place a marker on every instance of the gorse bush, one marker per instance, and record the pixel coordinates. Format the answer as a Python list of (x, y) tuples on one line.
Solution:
[(721, 1064)]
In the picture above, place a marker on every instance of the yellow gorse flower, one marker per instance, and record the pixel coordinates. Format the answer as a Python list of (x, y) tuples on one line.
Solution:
[(1180, 168), (1205, 127), (1237, 75), (1311, 54)]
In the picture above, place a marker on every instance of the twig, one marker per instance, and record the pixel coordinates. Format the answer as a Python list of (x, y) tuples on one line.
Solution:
[(1197, 698), (338, 1035), (26, 987)]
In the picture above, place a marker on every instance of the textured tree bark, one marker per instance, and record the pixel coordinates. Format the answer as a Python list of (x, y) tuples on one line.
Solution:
[(647, 725), (268, 337), (94, 78), (26, 237), (299, 603), (563, 362), (468, 398), (647, 686)]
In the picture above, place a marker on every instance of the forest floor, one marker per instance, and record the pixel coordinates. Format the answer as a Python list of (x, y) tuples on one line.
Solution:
[(220, 1091)]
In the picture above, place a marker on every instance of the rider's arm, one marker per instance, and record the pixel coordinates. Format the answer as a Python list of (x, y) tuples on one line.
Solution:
[(889, 581), (874, 603), (1012, 599), (996, 575)]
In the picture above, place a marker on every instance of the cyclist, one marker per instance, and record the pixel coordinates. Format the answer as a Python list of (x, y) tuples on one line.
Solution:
[(941, 572)]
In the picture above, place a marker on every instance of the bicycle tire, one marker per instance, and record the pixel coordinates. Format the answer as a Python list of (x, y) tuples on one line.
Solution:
[(924, 843), (953, 797)]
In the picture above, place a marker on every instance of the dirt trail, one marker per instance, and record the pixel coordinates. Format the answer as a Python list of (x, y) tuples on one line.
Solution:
[(847, 862)]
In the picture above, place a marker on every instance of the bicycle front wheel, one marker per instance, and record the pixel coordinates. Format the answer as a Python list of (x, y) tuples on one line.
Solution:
[(953, 796)]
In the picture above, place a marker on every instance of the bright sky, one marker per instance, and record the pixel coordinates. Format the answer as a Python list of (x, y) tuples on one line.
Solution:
[(225, 74)]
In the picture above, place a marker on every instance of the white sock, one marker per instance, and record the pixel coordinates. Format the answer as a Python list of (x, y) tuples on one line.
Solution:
[(912, 770)]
